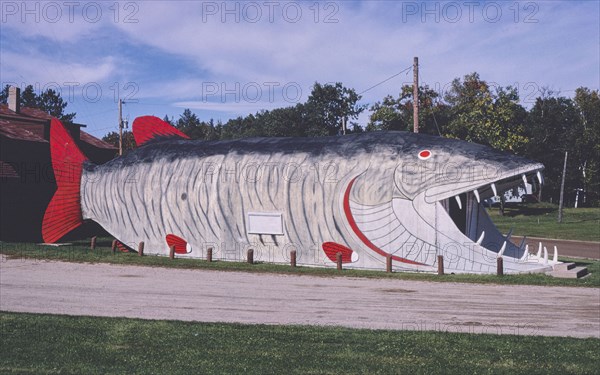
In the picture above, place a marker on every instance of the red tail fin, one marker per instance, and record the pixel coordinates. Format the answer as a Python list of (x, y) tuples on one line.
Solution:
[(146, 128), (64, 211)]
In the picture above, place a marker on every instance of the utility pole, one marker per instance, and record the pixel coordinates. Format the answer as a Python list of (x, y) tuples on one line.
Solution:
[(416, 94), (562, 190), (120, 127), (344, 126)]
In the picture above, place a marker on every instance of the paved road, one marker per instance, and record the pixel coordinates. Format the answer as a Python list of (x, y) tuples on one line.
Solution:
[(212, 296), (567, 248)]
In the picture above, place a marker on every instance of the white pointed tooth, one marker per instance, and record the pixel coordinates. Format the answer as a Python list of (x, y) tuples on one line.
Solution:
[(494, 189), (539, 253), (555, 257), (458, 201), (545, 256), (477, 195), (501, 252), (524, 179), (480, 240), (526, 254), (354, 257), (539, 177)]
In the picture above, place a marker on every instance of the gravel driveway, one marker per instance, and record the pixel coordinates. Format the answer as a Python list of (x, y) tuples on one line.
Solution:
[(214, 296)]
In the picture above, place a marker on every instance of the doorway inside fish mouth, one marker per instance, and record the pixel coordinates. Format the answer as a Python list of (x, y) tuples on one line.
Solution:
[(457, 214)]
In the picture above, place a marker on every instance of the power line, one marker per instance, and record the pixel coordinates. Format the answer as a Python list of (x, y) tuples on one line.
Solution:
[(385, 80)]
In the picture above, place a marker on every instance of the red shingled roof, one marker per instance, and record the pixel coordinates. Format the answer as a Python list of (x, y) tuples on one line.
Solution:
[(28, 125), (19, 130), (34, 112), (90, 139)]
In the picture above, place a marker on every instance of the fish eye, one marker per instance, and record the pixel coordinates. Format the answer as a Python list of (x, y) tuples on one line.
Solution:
[(425, 154)]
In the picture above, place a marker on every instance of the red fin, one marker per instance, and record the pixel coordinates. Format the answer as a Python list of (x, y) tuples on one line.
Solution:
[(332, 248), (122, 247), (146, 128), (63, 214), (179, 243)]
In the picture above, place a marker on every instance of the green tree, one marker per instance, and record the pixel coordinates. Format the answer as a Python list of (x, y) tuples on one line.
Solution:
[(328, 106), (4, 94), (241, 127), (283, 122), (389, 114), (551, 124), (128, 140), (48, 101), (491, 118), (29, 98), (397, 114), (52, 103), (191, 125), (322, 114), (168, 120), (587, 141)]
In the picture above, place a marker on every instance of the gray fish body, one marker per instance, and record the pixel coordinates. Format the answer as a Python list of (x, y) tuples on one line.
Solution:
[(370, 193)]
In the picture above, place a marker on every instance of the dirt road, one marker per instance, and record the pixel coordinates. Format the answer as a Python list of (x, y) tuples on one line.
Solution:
[(567, 248), (212, 296)]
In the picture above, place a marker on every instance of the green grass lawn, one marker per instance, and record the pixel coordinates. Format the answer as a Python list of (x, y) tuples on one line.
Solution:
[(52, 344), (80, 252), (540, 220)]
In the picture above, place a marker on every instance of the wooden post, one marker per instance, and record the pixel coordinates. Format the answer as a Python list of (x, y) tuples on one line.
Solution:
[(120, 127), (562, 190), (93, 243), (114, 247), (172, 252), (500, 266), (388, 263), (250, 256), (338, 259), (440, 264), (141, 249), (416, 95), (293, 258), (209, 254)]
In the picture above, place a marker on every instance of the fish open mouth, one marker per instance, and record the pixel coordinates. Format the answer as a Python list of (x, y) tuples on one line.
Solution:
[(455, 224), (466, 211)]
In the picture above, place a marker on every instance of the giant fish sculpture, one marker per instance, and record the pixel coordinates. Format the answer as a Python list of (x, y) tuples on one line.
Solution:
[(411, 197)]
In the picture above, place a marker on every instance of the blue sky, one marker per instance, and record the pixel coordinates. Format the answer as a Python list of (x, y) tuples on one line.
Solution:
[(225, 59)]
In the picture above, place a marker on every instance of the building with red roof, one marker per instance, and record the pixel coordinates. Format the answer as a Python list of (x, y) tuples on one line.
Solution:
[(26, 176)]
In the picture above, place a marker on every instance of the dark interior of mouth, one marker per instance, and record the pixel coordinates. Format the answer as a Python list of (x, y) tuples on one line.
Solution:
[(471, 218)]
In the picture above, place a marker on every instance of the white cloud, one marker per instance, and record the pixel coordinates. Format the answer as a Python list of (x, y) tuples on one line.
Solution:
[(30, 69), (371, 41)]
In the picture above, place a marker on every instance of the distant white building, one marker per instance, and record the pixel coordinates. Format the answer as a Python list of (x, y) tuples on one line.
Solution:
[(514, 195)]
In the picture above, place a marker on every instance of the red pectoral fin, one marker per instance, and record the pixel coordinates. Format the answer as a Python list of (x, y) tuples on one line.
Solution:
[(146, 128), (179, 243), (331, 249)]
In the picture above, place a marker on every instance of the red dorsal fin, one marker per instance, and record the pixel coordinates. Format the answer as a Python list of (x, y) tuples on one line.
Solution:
[(146, 128), (63, 214)]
